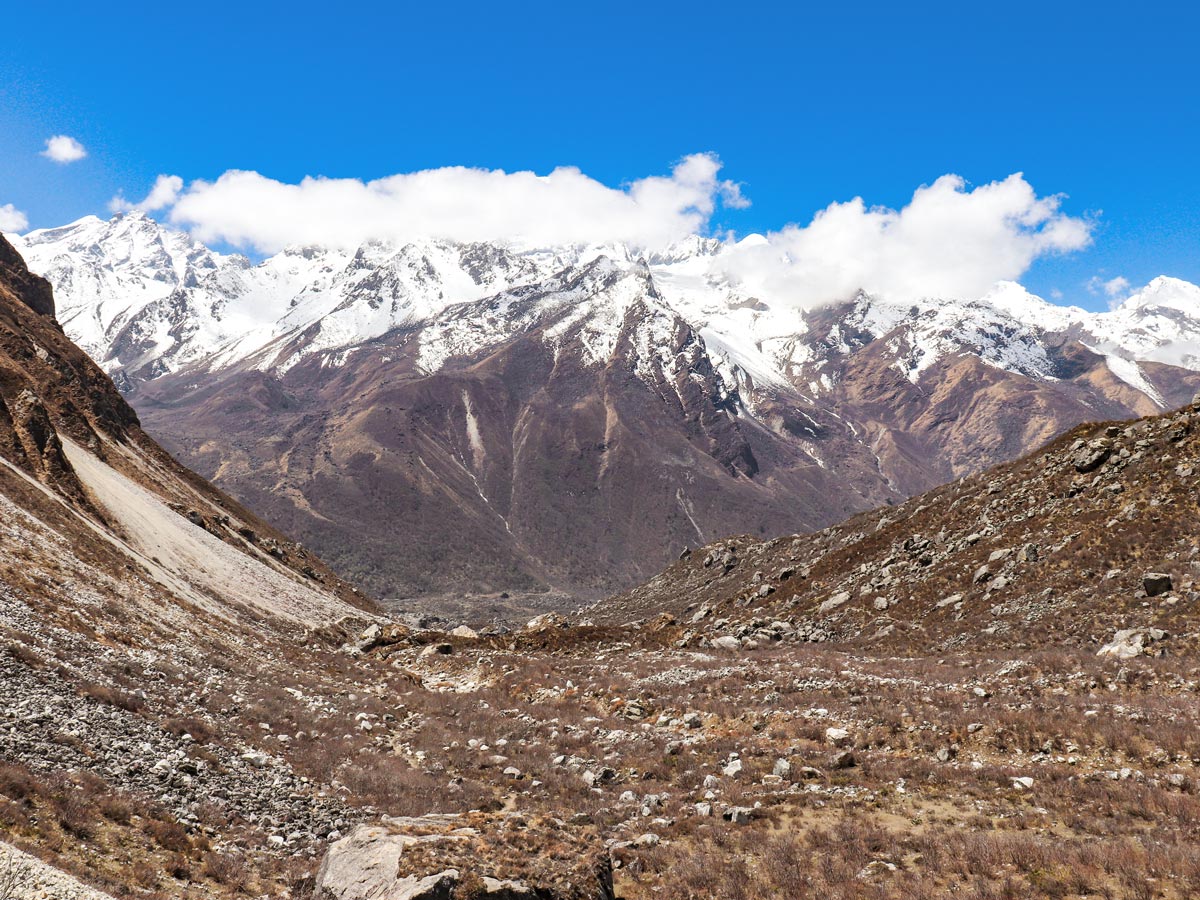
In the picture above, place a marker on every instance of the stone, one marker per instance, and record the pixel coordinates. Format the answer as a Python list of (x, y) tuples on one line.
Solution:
[(836, 736), (738, 815), (727, 642), (1130, 642), (367, 864), (1156, 583), (504, 889), (546, 621), (364, 865), (1093, 456), (875, 868), (833, 602), (843, 759)]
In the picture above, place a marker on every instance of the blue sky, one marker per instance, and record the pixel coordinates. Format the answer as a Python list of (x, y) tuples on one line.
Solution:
[(804, 104)]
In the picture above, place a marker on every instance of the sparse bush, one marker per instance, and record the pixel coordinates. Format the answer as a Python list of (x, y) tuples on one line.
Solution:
[(229, 869)]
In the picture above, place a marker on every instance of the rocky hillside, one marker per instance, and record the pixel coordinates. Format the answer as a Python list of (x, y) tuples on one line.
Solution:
[(127, 584), (1090, 541), (477, 418)]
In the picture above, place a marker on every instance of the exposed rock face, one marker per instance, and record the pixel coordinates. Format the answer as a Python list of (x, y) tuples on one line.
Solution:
[(32, 290), (444, 857)]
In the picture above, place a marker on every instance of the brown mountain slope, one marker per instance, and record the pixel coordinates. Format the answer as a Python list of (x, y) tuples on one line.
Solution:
[(186, 711), (520, 467), (527, 465), (1054, 548)]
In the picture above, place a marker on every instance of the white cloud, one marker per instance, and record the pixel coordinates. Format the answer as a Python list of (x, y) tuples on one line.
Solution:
[(1115, 289), (164, 193), (64, 149), (250, 210), (949, 242), (12, 219)]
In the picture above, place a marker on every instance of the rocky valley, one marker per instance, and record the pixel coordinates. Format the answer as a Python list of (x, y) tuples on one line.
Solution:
[(988, 690)]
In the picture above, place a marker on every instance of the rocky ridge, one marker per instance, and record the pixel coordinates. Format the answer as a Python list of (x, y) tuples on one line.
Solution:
[(1090, 540)]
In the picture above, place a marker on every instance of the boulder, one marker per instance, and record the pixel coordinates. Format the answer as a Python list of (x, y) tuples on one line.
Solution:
[(364, 866), (833, 602), (436, 857), (1130, 642), (1093, 456), (738, 815), (836, 736), (843, 759), (1156, 583), (546, 621)]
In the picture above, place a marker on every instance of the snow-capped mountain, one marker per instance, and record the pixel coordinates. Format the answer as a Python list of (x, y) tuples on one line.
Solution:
[(525, 417), (144, 299)]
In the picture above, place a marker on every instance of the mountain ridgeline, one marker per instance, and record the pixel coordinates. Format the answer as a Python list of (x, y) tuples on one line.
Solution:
[(447, 418)]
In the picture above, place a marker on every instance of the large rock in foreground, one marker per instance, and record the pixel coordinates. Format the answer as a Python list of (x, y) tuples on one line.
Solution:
[(446, 857)]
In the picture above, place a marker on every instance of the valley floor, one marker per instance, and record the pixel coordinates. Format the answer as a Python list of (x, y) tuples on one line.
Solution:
[(791, 770)]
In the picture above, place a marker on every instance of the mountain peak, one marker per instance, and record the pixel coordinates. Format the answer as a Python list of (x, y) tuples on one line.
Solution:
[(1165, 292)]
